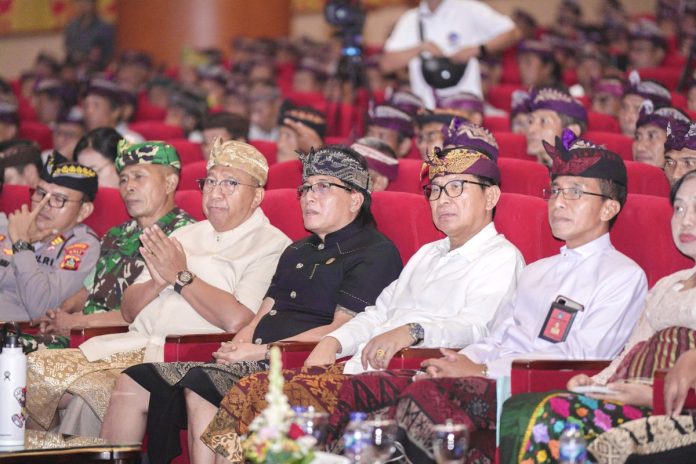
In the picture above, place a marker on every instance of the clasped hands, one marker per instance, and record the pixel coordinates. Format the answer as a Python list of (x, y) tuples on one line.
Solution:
[(236, 351), (164, 256)]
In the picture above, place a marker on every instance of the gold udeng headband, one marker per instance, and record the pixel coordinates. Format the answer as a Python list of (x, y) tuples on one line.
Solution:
[(456, 161)]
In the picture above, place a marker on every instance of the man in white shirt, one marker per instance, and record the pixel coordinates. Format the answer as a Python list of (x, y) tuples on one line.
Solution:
[(459, 29), (579, 304)]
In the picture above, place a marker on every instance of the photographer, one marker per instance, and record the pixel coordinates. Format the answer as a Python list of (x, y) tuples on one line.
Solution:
[(461, 30)]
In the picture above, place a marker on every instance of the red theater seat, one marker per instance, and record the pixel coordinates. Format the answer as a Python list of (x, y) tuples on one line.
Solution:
[(646, 179), (500, 96), (12, 197), (680, 101), (268, 149), (189, 173), (146, 111), (534, 240), (157, 130), (109, 211), (408, 179), (667, 76), (333, 140), (512, 145), (602, 122), (282, 208), (39, 133), (285, 175), (190, 201), (189, 152), (643, 233), (406, 219), (522, 176), (497, 123), (618, 143)]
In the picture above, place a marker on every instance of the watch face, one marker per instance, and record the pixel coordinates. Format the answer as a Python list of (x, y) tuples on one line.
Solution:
[(184, 277)]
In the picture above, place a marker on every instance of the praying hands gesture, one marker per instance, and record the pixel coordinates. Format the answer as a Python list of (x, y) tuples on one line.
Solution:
[(164, 256), (452, 364), (21, 224)]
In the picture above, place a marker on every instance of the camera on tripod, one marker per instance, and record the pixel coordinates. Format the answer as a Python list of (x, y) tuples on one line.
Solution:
[(349, 19)]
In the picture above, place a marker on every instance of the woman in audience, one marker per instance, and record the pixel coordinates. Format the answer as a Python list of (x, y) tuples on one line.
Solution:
[(98, 150), (320, 283), (532, 423)]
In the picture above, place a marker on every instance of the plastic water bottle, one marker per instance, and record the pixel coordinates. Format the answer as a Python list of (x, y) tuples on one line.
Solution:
[(355, 438), (13, 389), (572, 445)]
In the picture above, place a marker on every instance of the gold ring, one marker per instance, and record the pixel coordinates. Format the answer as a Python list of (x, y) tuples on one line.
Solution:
[(380, 353)]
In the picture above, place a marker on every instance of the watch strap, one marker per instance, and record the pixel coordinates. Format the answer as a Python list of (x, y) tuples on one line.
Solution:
[(21, 245)]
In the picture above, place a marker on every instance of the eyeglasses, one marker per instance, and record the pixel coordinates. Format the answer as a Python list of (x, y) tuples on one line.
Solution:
[(228, 186), (453, 189), (688, 163), (569, 193), (55, 201), (320, 188)]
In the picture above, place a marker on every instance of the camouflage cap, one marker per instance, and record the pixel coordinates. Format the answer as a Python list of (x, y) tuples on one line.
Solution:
[(239, 155), (146, 153)]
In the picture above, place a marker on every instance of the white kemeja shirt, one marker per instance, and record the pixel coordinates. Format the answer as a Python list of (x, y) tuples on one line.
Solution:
[(455, 24), (452, 294), (240, 261), (610, 286)]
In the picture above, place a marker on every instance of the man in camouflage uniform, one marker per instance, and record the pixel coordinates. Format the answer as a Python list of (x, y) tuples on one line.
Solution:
[(47, 252), (149, 175)]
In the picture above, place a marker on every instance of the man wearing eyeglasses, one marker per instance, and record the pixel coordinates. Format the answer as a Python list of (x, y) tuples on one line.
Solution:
[(206, 277), (680, 150), (46, 251)]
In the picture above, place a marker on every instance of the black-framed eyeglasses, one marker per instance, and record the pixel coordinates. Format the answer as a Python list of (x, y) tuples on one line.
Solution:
[(55, 201), (228, 186), (569, 193), (320, 188), (453, 188)]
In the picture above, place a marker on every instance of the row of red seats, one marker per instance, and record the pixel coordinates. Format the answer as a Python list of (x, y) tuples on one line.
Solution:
[(642, 231)]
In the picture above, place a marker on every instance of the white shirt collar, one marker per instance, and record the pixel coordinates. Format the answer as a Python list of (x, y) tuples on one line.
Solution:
[(597, 245), (473, 246)]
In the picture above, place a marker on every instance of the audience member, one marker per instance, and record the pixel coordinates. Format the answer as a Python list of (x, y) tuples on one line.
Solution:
[(9, 121), (392, 126), (227, 126), (651, 133), (47, 251), (98, 150), (22, 163), (680, 150), (382, 163), (301, 128), (635, 92)]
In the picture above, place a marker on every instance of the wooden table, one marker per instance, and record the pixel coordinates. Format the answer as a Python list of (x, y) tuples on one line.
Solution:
[(45, 447)]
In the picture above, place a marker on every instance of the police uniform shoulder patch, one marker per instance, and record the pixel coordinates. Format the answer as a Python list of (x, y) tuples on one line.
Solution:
[(70, 263), (7, 251), (76, 249)]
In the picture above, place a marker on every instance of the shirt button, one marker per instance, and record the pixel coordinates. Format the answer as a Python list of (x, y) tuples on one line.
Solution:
[(273, 312), (320, 246), (299, 265), (293, 294), (258, 341)]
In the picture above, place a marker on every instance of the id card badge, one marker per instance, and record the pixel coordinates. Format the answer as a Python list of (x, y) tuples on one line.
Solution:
[(560, 319)]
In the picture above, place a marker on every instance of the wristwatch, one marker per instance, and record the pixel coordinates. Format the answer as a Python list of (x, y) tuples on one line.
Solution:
[(416, 331), (21, 245), (183, 279)]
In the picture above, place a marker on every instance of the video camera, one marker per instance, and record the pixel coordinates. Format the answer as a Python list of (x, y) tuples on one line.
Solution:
[(349, 18)]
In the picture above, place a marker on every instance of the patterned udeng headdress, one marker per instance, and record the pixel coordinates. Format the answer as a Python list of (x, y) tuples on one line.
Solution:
[(334, 160)]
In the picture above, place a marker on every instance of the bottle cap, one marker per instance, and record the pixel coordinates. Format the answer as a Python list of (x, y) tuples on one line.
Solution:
[(12, 341)]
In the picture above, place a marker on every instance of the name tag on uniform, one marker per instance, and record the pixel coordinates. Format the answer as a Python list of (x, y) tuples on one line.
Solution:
[(560, 319)]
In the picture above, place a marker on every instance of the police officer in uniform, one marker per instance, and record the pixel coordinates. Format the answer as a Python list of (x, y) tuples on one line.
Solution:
[(47, 252)]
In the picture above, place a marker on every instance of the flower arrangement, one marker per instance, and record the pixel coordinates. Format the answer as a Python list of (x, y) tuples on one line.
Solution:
[(274, 437)]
